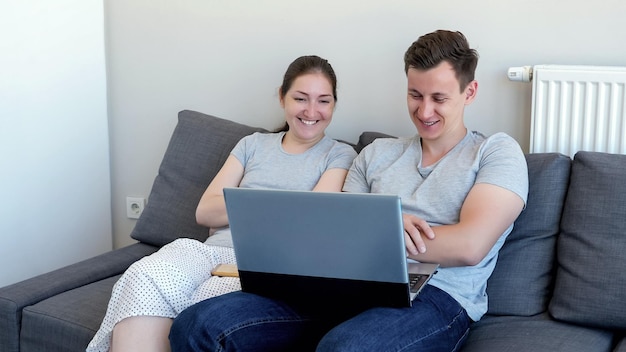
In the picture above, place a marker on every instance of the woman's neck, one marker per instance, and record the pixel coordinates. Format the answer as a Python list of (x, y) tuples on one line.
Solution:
[(294, 145)]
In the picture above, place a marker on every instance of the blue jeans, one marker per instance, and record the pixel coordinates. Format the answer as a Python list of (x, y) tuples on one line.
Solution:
[(241, 321)]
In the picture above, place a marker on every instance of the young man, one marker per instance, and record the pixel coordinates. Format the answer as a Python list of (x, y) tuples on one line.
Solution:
[(461, 193)]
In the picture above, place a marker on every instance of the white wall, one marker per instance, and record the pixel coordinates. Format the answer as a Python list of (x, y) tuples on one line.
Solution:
[(227, 57), (55, 205)]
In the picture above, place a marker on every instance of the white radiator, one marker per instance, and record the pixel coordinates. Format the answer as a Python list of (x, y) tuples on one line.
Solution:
[(577, 108)]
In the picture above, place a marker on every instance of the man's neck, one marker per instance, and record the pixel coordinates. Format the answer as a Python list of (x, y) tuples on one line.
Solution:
[(434, 150)]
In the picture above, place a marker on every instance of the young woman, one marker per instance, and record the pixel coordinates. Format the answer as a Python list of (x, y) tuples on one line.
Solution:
[(155, 289)]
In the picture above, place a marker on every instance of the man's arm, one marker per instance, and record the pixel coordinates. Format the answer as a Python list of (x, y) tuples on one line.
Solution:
[(486, 213)]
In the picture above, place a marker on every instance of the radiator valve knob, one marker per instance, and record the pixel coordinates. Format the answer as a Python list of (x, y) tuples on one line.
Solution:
[(520, 73)]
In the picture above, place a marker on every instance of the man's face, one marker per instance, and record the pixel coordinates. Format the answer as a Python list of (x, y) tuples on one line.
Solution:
[(436, 102)]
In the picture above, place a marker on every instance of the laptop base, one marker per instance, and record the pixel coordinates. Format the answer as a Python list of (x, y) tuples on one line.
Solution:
[(321, 291)]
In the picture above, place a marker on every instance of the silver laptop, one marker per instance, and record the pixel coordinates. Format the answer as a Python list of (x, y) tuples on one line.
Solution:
[(318, 247)]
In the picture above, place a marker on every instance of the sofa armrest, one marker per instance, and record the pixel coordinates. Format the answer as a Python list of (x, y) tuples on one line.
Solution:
[(15, 297)]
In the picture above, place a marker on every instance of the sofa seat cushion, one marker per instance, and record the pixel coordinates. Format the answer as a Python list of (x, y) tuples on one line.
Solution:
[(621, 345), (521, 283), (590, 285), (68, 321), (538, 334), (197, 150)]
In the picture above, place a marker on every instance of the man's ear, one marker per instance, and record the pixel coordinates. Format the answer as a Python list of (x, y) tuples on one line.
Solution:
[(470, 92)]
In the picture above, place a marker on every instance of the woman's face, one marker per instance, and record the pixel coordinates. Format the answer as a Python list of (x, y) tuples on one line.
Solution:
[(309, 105)]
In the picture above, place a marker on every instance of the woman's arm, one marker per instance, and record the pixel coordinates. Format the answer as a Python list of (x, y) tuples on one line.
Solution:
[(486, 213), (211, 210), (331, 180)]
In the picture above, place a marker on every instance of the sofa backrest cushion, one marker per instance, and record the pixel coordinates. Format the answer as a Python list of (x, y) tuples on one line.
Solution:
[(197, 150), (590, 285), (368, 137), (522, 280)]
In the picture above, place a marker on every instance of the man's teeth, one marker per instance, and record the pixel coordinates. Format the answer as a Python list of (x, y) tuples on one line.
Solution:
[(430, 123)]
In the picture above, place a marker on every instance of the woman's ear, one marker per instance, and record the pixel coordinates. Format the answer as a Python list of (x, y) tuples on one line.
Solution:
[(281, 99)]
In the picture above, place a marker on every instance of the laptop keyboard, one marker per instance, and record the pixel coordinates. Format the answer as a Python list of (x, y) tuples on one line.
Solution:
[(415, 281)]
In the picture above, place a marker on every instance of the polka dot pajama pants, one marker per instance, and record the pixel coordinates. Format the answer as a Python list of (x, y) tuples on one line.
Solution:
[(165, 283)]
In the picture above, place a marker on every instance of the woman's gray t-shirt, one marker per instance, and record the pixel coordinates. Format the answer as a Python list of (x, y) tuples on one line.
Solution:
[(267, 165)]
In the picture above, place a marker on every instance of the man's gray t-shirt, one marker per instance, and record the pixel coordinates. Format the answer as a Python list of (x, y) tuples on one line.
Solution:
[(437, 192)]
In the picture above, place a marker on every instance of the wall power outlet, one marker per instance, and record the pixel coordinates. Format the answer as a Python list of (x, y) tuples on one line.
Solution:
[(134, 207)]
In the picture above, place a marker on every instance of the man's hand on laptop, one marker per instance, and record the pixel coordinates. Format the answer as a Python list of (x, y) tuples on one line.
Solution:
[(414, 229)]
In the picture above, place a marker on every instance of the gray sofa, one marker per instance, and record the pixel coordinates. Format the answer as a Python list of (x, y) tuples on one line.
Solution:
[(559, 284)]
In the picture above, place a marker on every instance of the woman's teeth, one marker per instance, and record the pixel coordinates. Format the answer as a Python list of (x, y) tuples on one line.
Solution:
[(308, 122)]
